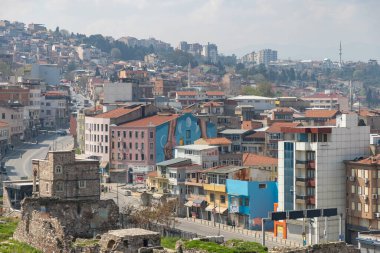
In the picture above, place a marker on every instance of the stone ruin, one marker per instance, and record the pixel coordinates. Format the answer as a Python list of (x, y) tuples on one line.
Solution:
[(52, 224), (131, 240)]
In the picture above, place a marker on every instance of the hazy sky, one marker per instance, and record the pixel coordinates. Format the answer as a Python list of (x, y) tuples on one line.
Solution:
[(298, 29)]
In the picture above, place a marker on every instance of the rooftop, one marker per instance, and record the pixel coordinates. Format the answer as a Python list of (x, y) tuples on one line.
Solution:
[(276, 127), (215, 93), (131, 232), (151, 121), (196, 147), (372, 160), (321, 113), (251, 97), (250, 159), (234, 131), (217, 141), (117, 112), (323, 95), (223, 169), (173, 161)]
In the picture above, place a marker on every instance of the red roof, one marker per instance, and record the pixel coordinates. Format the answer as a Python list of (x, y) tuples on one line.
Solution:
[(215, 93), (276, 127), (250, 159), (186, 93), (152, 174), (372, 160), (218, 141), (155, 120), (117, 112), (320, 113)]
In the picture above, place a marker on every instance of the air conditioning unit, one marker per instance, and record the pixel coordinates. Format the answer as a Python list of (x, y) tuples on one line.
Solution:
[(366, 180), (352, 178), (377, 215), (374, 196)]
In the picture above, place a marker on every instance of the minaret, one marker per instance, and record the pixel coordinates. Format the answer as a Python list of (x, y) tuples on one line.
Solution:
[(340, 53), (188, 75)]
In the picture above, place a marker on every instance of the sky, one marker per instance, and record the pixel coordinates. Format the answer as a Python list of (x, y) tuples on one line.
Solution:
[(297, 29)]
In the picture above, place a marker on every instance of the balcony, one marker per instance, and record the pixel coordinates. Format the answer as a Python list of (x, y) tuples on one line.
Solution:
[(311, 200), (311, 182), (301, 199), (214, 187), (305, 164), (301, 181)]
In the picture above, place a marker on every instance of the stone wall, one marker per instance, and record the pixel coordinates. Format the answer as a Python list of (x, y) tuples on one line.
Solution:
[(51, 224)]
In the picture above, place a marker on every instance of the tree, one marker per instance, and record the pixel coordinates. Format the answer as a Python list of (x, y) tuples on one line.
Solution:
[(116, 53), (71, 66), (262, 89)]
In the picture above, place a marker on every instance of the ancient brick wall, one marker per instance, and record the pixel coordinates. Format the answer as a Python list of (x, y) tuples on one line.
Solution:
[(50, 224)]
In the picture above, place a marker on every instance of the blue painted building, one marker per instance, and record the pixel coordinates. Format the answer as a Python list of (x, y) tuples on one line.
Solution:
[(249, 201), (183, 131)]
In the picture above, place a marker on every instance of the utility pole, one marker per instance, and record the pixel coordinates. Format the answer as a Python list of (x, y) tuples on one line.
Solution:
[(340, 53)]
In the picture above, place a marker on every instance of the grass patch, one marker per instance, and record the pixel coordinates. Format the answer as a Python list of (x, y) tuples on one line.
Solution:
[(81, 242), (211, 247), (13, 246), (169, 242), (7, 244), (231, 246), (241, 246)]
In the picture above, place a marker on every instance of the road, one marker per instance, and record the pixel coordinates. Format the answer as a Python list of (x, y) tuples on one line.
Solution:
[(228, 233), (18, 162)]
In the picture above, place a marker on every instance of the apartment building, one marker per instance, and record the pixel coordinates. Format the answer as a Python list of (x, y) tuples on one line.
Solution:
[(54, 110), (205, 155), (13, 115), (327, 100), (265, 56), (311, 171), (4, 138), (363, 192)]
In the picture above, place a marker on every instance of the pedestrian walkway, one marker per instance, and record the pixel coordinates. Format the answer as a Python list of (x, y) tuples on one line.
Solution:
[(256, 235)]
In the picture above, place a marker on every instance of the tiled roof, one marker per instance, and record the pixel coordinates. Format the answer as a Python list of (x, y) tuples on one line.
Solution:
[(155, 120), (369, 160), (152, 174), (186, 93), (320, 113), (259, 134), (218, 141), (214, 93), (250, 159), (276, 127), (283, 109), (118, 112)]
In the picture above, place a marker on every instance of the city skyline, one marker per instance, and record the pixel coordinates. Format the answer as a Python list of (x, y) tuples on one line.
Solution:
[(297, 29)]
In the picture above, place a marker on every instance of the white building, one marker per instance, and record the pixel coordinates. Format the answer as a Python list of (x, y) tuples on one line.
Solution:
[(120, 92), (328, 100), (265, 56), (311, 172), (259, 103), (205, 155)]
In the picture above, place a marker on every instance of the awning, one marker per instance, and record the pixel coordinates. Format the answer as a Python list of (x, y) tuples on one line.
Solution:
[(189, 203), (209, 208), (221, 210), (197, 202)]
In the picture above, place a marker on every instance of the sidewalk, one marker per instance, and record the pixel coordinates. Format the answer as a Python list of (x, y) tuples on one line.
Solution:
[(269, 237)]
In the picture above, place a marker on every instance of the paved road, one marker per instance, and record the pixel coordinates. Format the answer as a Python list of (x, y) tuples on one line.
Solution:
[(18, 163), (202, 229)]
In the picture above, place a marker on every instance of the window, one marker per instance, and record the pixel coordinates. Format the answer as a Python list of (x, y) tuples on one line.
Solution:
[(366, 208), (3, 115), (118, 133), (58, 169), (142, 135), (59, 186), (130, 134), (262, 186), (151, 157), (124, 145), (106, 149), (246, 201), (136, 157), (142, 157), (125, 134), (82, 184), (136, 145), (142, 145), (352, 188), (151, 146), (359, 190), (47, 187), (151, 135), (106, 138), (136, 134), (359, 207), (222, 199), (212, 197), (130, 145), (130, 157)]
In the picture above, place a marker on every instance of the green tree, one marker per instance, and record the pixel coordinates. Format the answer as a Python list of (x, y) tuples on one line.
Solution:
[(116, 53)]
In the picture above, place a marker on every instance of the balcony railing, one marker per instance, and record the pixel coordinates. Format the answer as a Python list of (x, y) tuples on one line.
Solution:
[(311, 182), (311, 200)]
